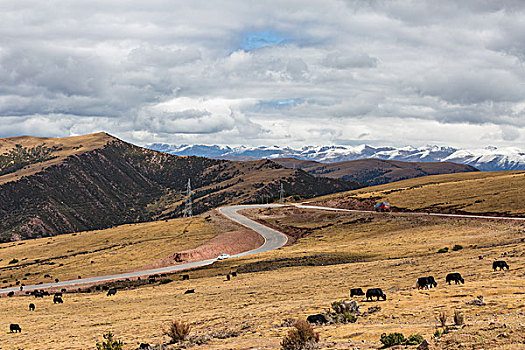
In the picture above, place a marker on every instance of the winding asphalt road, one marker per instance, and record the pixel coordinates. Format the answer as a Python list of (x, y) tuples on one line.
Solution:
[(272, 240)]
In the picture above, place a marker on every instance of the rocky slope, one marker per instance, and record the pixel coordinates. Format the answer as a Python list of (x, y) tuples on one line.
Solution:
[(97, 181)]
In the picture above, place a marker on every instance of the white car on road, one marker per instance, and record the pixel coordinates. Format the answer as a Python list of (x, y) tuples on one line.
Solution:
[(223, 256)]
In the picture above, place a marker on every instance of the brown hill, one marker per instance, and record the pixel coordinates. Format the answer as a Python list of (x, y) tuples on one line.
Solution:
[(371, 172), (484, 193), (51, 186)]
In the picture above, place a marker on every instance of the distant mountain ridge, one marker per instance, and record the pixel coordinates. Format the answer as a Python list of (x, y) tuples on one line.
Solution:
[(487, 159)]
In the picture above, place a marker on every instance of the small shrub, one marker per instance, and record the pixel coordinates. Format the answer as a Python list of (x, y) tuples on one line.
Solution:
[(13, 261), (165, 281), (442, 318), (437, 334), (177, 331), (349, 318), (109, 343), (414, 339), (458, 318), (457, 247), (301, 337), (392, 339), (443, 250)]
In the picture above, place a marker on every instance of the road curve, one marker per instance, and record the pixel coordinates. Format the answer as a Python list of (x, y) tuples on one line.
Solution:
[(272, 240), (305, 206)]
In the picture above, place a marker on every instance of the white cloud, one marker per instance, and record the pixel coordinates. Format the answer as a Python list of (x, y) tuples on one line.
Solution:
[(384, 72)]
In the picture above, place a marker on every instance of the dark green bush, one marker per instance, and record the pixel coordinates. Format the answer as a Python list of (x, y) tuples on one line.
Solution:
[(443, 250), (349, 318), (109, 343), (392, 339), (414, 339), (457, 247)]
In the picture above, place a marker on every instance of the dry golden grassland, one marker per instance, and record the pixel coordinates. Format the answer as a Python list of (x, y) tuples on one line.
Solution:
[(390, 251), (67, 146), (501, 192), (101, 252)]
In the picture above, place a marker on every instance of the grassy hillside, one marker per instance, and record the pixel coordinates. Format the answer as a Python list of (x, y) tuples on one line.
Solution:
[(27, 155), (55, 186), (371, 172), (339, 251), (493, 193)]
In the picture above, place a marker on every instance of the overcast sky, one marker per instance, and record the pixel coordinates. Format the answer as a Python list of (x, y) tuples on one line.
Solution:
[(287, 73)]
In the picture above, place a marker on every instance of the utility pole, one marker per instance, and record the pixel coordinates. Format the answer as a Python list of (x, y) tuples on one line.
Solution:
[(188, 210), (281, 194)]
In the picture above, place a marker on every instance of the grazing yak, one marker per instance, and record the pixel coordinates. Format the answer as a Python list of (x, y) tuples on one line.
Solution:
[(11, 294), (356, 291), (185, 277), (375, 292), (57, 299), (31, 307), (456, 277), (38, 294), (112, 291), (426, 282), (317, 319), (13, 327), (499, 264)]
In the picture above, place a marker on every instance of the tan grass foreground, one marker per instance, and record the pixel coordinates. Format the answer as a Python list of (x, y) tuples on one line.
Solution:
[(388, 252)]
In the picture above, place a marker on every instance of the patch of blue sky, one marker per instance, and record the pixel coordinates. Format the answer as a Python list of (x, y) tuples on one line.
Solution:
[(256, 40), (276, 104)]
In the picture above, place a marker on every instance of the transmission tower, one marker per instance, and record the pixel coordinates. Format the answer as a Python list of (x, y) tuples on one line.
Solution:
[(281, 194), (188, 211)]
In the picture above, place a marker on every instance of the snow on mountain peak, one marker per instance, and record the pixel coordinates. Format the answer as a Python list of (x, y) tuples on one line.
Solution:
[(488, 158)]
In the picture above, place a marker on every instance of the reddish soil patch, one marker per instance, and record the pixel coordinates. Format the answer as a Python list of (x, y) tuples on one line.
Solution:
[(232, 242)]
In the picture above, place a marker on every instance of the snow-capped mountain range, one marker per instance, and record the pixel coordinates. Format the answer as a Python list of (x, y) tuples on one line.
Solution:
[(488, 159)]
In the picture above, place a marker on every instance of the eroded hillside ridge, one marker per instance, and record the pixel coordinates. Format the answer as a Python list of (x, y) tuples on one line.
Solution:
[(122, 183)]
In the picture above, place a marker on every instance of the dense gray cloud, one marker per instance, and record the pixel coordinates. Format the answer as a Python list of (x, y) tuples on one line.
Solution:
[(261, 73)]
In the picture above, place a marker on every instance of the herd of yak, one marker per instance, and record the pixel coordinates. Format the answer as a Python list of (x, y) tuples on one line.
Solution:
[(422, 283)]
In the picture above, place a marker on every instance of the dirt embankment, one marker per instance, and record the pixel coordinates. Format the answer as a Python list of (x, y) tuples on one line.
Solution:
[(233, 242)]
